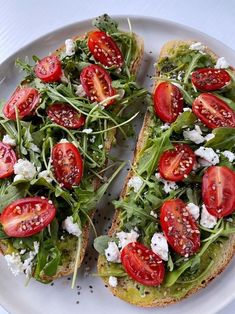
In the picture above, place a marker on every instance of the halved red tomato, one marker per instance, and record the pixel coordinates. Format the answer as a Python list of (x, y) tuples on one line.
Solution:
[(67, 164), (175, 164), (27, 216), (97, 84), (213, 111), (168, 102), (179, 227), (142, 264), (49, 69), (218, 191), (66, 116), (25, 99), (7, 161), (210, 79), (104, 49)]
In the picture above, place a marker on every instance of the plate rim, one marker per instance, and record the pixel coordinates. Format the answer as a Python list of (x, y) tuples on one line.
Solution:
[(121, 17)]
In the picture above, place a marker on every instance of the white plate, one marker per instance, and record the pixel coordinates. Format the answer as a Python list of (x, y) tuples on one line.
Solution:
[(90, 295)]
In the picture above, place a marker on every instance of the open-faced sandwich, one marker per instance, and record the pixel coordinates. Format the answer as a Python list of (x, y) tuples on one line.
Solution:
[(56, 131), (174, 228)]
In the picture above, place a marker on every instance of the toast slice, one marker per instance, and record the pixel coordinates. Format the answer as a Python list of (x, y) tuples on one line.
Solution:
[(69, 244), (127, 289)]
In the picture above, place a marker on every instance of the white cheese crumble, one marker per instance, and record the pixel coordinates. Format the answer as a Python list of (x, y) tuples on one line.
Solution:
[(92, 140), (63, 140), (45, 175), (187, 109), (209, 137), (194, 210), (79, 90), (127, 237), (194, 135), (165, 126), (24, 170), (71, 227), (14, 263), (208, 156), (222, 63), (17, 266), (159, 245), (113, 281), (69, 47), (8, 140), (28, 263), (112, 253), (168, 185), (135, 183), (87, 131), (197, 46), (153, 213), (229, 155), (100, 146), (207, 220)]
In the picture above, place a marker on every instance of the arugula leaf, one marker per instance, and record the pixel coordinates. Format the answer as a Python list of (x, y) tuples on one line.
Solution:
[(224, 139), (106, 24), (11, 193), (185, 119), (150, 155)]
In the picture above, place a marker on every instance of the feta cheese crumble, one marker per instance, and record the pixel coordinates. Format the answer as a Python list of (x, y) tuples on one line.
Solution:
[(168, 185), (208, 156), (24, 170), (127, 237), (194, 210), (100, 146), (187, 109), (209, 137), (63, 140), (45, 175), (14, 263), (207, 220), (112, 253), (135, 183), (69, 47), (194, 135), (165, 126), (229, 155), (28, 263), (71, 227), (159, 245), (8, 140), (87, 131), (153, 213), (79, 90), (198, 46), (221, 63), (113, 281)]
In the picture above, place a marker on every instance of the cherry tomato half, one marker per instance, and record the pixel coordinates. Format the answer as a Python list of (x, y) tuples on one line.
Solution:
[(213, 111), (67, 164), (49, 69), (218, 191), (97, 83), (210, 79), (66, 116), (7, 161), (168, 102), (179, 227), (142, 264), (104, 49), (175, 164), (27, 216), (25, 99)]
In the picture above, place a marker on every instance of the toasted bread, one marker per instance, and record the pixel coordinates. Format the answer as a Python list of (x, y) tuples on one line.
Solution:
[(69, 251), (129, 290)]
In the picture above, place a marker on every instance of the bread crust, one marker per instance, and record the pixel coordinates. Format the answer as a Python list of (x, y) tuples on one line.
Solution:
[(228, 250), (68, 268)]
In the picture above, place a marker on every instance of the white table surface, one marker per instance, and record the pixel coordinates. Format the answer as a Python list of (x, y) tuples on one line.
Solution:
[(25, 20)]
